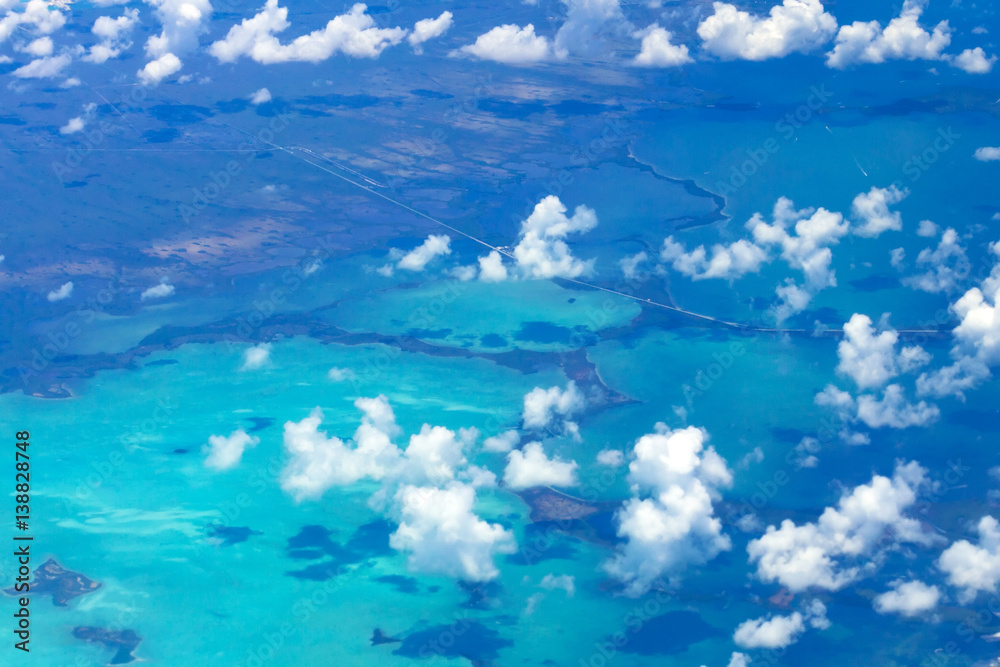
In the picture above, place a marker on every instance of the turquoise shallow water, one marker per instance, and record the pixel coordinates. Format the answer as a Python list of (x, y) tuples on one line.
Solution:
[(127, 501)]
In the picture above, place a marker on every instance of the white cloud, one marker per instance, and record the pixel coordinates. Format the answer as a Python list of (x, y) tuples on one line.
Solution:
[(510, 44), (564, 582), (256, 356), (977, 339), (610, 457), (530, 467), (909, 598), (777, 632), (894, 411), (44, 68), (630, 264), (492, 269), (669, 522), (183, 22), (871, 360), (113, 34), (340, 374), (871, 209), (442, 534), (772, 632), (727, 262), (927, 229), (541, 251), (74, 125), (36, 17), (39, 48), (739, 660), (436, 245), (161, 291), (463, 273), (354, 34), (839, 547), (435, 453), (954, 380), (974, 568), (159, 69), (903, 39), (974, 61), (317, 462), (64, 292), (795, 26), (979, 329), (947, 266), (987, 154), (502, 442), (658, 51), (428, 29), (552, 408), (897, 258), (804, 236), (755, 455), (224, 452), (262, 96), (585, 21), (807, 250)]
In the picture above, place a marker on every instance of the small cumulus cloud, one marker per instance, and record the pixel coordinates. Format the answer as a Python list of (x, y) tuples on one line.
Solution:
[(225, 452), (64, 292)]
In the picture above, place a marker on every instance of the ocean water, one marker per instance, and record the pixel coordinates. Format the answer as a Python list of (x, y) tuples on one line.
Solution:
[(121, 393)]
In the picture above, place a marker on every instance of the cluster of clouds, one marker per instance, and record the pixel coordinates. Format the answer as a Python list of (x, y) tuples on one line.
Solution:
[(777, 632), (416, 260), (541, 251), (354, 34), (944, 268), (974, 568), (39, 21), (669, 523), (580, 34), (551, 411), (872, 357), (429, 486), (908, 598), (843, 545), (78, 123), (976, 340), (730, 33), (113, 34), (184, 22), (803, 239)]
